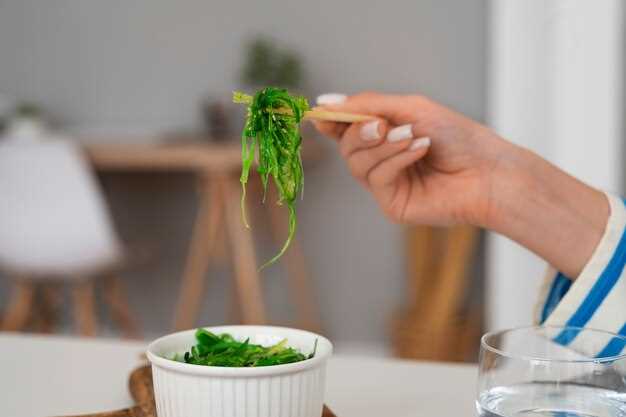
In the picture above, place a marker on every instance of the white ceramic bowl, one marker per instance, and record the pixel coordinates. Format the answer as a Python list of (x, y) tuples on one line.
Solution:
[(291, 390)]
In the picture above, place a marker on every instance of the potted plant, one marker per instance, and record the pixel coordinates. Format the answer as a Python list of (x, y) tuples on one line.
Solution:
[(267, 64), (26, 123)]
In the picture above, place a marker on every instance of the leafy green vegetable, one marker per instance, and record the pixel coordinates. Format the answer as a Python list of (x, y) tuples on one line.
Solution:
[(224, 350), (272, 130)]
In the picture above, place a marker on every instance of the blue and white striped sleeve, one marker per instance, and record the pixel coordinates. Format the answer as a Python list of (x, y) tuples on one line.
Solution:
[(597, 298)]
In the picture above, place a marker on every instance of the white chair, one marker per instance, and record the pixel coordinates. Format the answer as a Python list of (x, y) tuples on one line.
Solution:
[(55, 227)]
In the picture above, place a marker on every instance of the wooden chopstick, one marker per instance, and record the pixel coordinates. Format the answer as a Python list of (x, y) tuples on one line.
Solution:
[(336, 116), (317, 113)]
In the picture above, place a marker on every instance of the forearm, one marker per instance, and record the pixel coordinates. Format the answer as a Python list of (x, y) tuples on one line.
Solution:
[(548, 211)]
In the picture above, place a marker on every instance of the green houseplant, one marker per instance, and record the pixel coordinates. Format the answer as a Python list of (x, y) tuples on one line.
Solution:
[(266, 64)]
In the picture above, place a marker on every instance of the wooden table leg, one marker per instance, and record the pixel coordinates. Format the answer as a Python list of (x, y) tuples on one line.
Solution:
[(220, 253), (115, 297), (20, 306), (297, 274), (203, 240), (234, 309), (48, 304), (244, 258), (83, 294)]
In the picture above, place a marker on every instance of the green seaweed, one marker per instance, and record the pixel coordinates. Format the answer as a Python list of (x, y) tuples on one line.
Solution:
[(272, 131), (224, 350)]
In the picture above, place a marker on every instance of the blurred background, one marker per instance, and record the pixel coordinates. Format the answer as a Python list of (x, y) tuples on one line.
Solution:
[(120, 163)]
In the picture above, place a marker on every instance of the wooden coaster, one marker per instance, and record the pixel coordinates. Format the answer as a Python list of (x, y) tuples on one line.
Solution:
[(140, 387)]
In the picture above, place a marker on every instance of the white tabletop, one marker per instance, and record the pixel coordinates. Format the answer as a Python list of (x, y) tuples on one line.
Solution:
[(51, 376)]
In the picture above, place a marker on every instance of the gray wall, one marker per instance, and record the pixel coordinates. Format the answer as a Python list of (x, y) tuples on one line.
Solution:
[(147, 63)]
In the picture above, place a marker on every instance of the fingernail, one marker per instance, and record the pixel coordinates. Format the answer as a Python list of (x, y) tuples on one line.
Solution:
[(400, 133), (331, 98), (369, 131), (419, 143)]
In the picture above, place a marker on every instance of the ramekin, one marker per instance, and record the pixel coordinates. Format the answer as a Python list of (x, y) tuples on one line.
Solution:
[(291, 390)]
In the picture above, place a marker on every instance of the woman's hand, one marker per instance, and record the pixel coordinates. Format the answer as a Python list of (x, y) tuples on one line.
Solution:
[(426, 164), (422, 162)]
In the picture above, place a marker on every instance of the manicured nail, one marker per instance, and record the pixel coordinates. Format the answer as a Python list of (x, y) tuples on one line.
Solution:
[(369, 131), (419, 144), (331, 98), (400, 133)]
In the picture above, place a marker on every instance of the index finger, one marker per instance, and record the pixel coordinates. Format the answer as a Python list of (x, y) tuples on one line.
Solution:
[(331, 129)]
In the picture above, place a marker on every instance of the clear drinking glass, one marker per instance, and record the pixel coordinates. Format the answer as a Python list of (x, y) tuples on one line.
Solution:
[(524, 372)]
